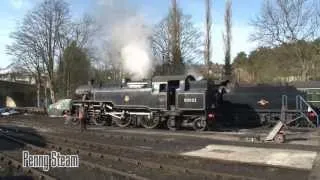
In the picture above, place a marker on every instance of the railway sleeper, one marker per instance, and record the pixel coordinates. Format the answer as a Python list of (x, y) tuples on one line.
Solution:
[(87, 163), (11, 162), (154, 165), (131, 161)]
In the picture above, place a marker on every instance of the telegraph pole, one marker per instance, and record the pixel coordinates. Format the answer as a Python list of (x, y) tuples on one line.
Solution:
[(207, 51), (227, 37)]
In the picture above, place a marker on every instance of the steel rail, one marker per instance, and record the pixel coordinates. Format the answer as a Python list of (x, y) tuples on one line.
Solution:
[(87, 163)]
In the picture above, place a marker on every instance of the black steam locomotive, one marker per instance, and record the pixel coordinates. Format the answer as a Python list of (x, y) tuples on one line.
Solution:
[(177, 101), (248, 105)]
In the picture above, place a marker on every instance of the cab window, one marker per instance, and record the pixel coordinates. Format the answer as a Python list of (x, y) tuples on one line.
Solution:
[(155, 88), (163, 88)]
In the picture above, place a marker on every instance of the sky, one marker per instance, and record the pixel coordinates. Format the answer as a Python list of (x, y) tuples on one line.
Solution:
[(13, 11)]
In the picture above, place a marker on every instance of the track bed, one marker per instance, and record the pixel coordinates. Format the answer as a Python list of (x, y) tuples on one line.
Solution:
[(133, 155)]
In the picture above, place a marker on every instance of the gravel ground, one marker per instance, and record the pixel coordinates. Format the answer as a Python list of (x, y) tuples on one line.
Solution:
[(152, 144)]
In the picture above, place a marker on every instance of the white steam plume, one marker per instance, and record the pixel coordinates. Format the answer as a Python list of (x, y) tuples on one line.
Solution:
[(128, 37), (195, 73), (131, 38)]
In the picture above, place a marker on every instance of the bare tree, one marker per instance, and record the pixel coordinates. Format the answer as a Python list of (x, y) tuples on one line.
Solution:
[(227, 38), (207, 51), (27, 51), (78, 32), (81, 32), (160, 40), (188, 41), (44, 26), (288, 22), (175, 33), (26, 60)]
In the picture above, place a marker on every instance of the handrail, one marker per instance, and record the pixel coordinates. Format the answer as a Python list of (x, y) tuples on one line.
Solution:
[(285, 101), (299, 100), (297, 103)]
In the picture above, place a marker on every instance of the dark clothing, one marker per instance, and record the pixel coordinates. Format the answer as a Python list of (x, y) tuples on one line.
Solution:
[(82, 118)]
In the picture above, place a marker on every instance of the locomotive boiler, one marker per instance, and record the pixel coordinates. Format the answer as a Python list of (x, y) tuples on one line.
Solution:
[(177, 101)]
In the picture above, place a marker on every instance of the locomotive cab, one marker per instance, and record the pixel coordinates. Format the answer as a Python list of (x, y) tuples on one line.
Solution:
[(189, 102), (170, 85)]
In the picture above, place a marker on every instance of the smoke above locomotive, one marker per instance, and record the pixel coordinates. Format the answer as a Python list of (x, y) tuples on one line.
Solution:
[(124, 39), (132, 40)]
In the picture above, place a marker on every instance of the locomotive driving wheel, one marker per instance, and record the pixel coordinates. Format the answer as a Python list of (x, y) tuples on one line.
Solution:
[(150, 123), (99, 120), (200, 124), (124, 121)]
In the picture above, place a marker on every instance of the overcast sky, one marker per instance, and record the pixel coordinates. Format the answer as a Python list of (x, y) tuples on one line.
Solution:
[(12, 11)]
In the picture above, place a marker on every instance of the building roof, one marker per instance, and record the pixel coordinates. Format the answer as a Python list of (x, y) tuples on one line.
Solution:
[(6, 70)]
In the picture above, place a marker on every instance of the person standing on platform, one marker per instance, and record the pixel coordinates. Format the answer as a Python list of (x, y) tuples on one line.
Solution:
[(82, 118)]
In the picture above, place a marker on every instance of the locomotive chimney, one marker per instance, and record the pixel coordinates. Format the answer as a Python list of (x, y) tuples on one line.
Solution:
[(124, 81)]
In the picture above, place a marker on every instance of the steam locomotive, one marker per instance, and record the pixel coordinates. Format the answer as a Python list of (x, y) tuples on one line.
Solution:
[(175, 101), (249, 105)]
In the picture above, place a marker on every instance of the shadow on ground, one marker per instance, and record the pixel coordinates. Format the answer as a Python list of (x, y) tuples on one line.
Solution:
[(296, 139), (26, 134)]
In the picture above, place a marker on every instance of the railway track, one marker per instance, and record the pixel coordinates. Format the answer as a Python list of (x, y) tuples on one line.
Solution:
[(164, 138), (89, 164), (104, 160), (225, 134), (172, 160), (14, 165), (138, 159)]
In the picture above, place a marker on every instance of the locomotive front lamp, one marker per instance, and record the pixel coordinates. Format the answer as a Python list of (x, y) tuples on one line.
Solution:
[(210, 115)]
